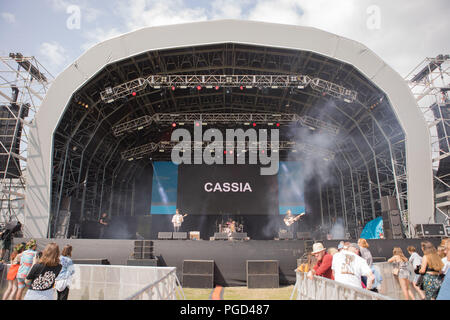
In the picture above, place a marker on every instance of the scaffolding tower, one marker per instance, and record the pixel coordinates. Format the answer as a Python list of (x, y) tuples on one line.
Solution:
[(23, 85), (430, 84)]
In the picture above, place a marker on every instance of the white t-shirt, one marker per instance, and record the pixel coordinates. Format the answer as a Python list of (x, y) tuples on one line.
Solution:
[(348, 268), (446, 265)]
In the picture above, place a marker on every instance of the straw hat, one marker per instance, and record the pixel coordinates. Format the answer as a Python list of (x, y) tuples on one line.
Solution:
[(317, 247)]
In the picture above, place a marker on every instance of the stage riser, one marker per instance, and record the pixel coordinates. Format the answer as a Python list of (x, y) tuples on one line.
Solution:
[(229, 256)]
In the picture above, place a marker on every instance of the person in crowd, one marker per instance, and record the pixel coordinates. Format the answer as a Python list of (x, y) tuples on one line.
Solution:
[(10, 293), (42, 276), (416, 261), (63, 280), (441, 251), (444, 291), (332, 251), (6, 237), (402, 272), (364, 251), (378, 279), (446, 259), (348, 267), (340, 246), (431, 268), (324, 260), (26, 261)]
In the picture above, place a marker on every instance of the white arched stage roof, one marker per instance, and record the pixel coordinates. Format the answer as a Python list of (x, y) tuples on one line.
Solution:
[(418, 149)]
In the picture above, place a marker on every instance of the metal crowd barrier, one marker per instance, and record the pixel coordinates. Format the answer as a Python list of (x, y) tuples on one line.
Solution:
[(166, 288), (320, 288)]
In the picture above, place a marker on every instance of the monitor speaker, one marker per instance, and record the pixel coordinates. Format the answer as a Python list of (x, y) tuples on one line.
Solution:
[(303, 235), (179, 235), (164, 235), (220, 236), (285, 235), (238, 235)]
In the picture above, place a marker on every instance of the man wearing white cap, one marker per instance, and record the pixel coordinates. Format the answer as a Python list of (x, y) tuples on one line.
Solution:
[(324, 262), (348, 267)]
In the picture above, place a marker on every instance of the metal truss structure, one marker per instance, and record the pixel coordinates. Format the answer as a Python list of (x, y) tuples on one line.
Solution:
[(227, 81), (224, 118), (90, 141), (430, 84), (23, 85), (233, 146)]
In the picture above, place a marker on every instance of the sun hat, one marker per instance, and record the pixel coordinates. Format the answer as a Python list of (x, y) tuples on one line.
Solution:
[(317, 247)]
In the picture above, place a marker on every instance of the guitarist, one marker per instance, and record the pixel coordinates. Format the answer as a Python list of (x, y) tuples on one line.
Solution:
[(290, 219), (177, 220)]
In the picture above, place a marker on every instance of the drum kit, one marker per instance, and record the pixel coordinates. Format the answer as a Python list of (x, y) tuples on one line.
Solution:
[(231, 227)]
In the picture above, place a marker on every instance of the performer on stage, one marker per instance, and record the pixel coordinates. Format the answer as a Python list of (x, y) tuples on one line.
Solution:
[(290, 219), (231, 224), (177, 220), (104, 221)]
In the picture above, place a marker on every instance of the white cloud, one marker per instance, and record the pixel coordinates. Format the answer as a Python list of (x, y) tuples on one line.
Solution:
[(145, 13), (8, 17), (54, 54), (98, 35)]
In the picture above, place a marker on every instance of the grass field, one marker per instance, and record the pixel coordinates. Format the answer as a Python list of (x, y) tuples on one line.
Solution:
[(241, 293)]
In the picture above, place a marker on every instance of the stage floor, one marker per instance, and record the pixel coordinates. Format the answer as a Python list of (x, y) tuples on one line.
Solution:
[(229, 256)]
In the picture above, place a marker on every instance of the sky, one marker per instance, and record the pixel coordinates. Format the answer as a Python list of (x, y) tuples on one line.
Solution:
[(57, 32)]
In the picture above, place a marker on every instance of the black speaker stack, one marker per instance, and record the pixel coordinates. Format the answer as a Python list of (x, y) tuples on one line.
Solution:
[(262, 274), (198, 273), (143, 254), (392, 222)]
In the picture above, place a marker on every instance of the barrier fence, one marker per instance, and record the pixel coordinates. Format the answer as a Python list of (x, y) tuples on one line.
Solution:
[(114, 282), (320, 288)]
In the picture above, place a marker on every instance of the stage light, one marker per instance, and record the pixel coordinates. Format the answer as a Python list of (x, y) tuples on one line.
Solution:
[(278, 124), (224, 151), (173, 88), (216, 87), (199, 88), (254, 124), (231, 151), (197, 124), (174, 124), (133, 93), (241, 88), (246, 123)]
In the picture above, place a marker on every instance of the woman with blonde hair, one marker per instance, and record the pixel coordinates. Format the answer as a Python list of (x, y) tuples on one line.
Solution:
[(401, 271), (431, 268), (364, 250), (63, 281), (41, 278), (27, 259)]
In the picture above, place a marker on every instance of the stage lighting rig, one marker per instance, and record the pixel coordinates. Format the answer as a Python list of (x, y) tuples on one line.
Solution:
[(227, 81)]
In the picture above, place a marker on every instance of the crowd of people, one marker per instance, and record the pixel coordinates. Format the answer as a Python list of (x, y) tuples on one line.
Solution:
[(36, 275), (352, 264)]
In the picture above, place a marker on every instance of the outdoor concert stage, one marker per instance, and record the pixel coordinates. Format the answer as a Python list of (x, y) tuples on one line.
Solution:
[(229, 256)]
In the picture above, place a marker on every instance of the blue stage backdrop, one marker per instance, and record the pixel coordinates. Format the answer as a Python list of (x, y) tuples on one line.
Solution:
[(164, 188), (291, 188)]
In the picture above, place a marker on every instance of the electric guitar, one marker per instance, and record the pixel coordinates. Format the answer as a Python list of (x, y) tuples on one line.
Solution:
[(291, 220)]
